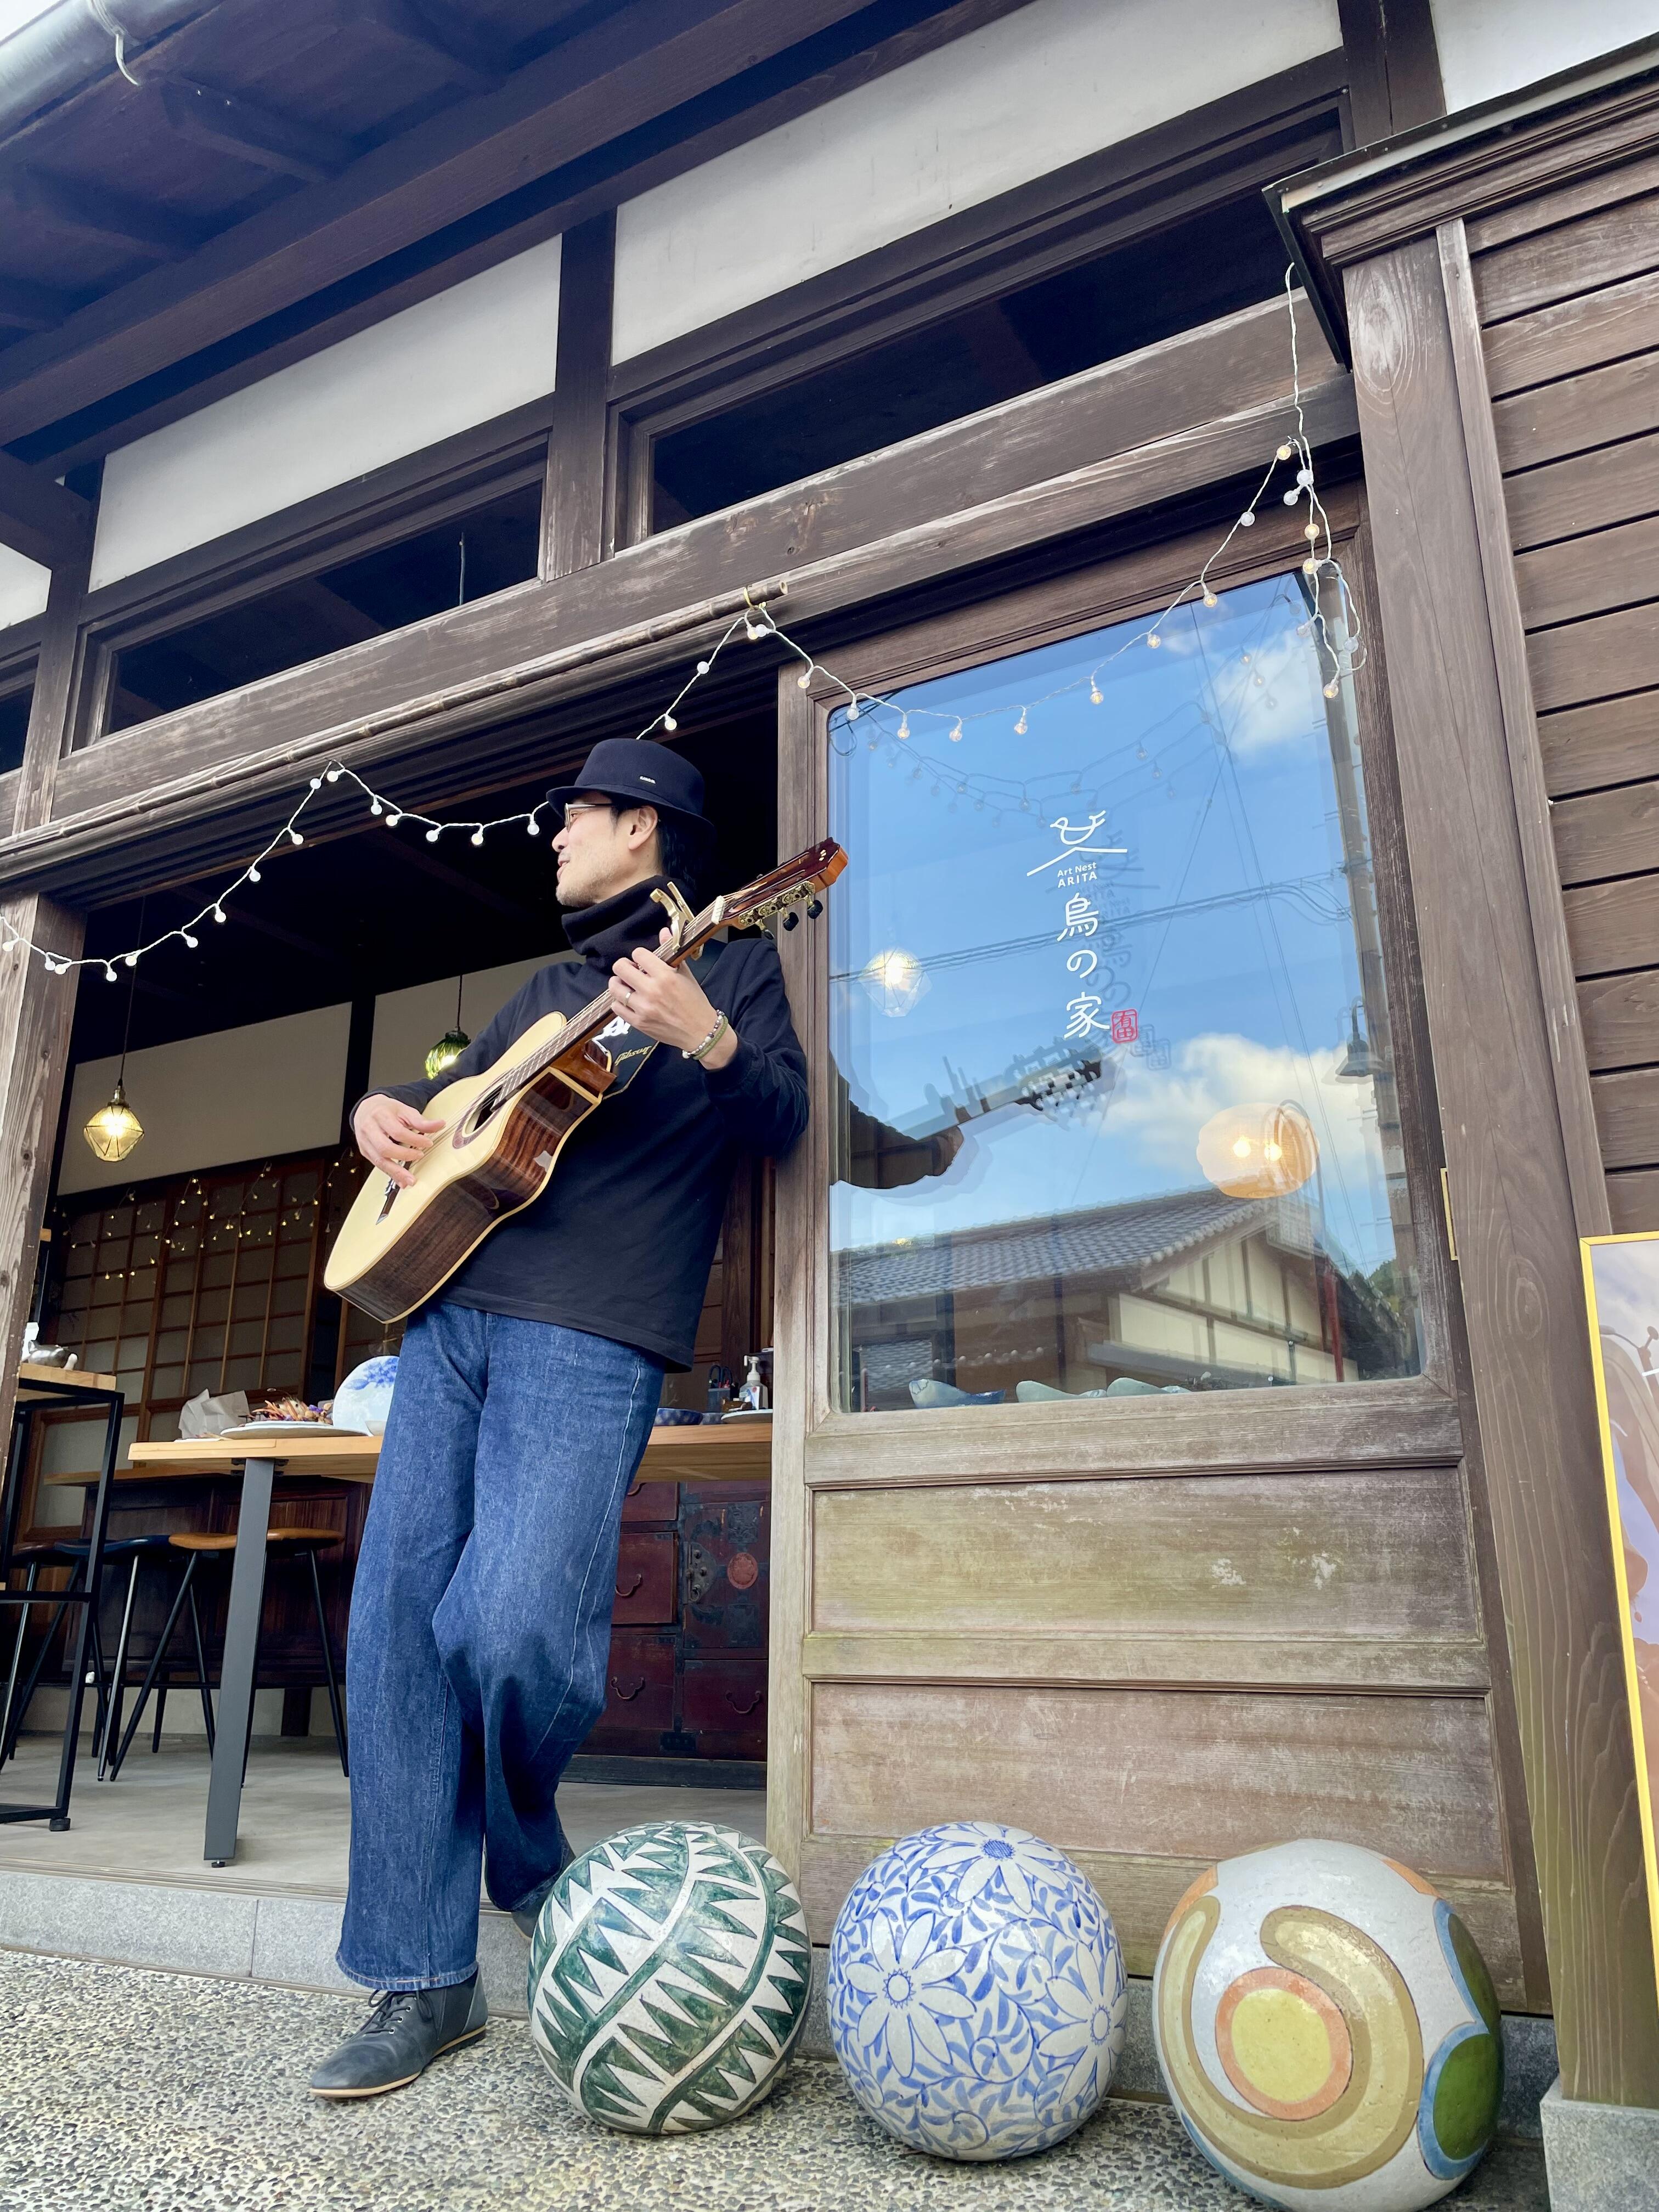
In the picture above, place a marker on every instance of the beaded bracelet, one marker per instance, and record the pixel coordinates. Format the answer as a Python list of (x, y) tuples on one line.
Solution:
[(700, 1051)]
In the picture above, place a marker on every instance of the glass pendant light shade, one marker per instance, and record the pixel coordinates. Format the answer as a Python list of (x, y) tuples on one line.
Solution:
[(114, 1129), (447, 1050)]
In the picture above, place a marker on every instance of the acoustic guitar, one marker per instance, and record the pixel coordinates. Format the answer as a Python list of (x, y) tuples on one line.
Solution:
[(503, 1130)]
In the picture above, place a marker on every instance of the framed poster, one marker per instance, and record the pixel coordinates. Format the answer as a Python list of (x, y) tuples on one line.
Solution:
[(1621, 1288)]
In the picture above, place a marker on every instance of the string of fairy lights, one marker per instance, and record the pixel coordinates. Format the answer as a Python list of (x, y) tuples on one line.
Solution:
[(1338, 644)]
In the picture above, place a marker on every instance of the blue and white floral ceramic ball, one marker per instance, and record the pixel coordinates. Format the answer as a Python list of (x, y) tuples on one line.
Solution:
[(1327, 2030), (977, 1992)]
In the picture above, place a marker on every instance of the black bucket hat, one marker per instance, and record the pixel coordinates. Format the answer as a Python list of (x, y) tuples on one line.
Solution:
[(640, 773)]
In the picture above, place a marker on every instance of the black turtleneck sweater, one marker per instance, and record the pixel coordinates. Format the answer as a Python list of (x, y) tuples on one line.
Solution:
[(620, 1241)]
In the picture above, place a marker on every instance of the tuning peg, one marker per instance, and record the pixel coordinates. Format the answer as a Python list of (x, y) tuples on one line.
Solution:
[(814, 909), (792, 920)]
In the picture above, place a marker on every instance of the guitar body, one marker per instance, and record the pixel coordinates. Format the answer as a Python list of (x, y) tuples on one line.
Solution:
[(498, 1146)]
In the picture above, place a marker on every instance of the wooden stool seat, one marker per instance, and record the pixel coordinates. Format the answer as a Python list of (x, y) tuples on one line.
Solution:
[(194, 1543)]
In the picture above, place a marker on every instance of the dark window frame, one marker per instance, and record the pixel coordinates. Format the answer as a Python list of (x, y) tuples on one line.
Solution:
[(361, 517), (1380, 1422), (1121, 195)]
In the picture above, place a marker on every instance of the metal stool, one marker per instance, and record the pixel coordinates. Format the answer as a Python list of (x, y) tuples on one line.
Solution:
[(281, 1544)]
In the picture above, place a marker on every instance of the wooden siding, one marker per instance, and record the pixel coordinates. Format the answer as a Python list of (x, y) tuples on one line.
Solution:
[(1570, 319)]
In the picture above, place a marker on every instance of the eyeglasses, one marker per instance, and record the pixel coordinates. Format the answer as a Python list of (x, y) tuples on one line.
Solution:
[(586, 806)]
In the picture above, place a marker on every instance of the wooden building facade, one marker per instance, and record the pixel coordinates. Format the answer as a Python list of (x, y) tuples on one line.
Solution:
[(459, 382)]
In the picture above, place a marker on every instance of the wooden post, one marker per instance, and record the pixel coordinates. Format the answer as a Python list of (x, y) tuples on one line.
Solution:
[(36, 1010), (1509, 1188), (573, 509)]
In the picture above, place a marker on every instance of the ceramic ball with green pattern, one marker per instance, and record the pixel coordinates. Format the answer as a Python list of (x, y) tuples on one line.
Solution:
[(1329, 2031), (668, 1977)]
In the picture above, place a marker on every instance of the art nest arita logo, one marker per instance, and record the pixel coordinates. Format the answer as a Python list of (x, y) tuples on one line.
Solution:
[(669, 1977), (977, 1992)]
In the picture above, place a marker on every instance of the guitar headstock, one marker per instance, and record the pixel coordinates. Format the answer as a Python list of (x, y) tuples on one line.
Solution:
[(797, 883)]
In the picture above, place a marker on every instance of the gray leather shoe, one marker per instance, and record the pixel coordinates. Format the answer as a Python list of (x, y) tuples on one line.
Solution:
[(406, 2031)]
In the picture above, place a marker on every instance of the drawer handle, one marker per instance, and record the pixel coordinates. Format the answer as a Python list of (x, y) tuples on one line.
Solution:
[(632, 1587), (632, 1489), (628, 1696), (744, 1711)]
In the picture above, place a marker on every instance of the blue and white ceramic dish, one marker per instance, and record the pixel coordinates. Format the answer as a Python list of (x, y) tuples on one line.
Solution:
[(977, 1992), (364, 1399)]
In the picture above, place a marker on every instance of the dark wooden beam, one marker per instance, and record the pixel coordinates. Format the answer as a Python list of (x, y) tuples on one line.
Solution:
[(230, 124), (465, 55), (573, 505), (623, 72), (1394, 67), (107, 218), (39, 518), (33, 306)]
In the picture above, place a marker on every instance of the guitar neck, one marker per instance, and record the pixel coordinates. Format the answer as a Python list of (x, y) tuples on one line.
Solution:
[(584, 1026)]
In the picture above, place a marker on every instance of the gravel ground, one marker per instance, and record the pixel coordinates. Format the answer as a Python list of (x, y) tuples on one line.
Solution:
[(122, 2089)]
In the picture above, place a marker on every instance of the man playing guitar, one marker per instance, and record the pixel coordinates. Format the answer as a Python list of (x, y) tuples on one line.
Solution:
[(481, 1613)]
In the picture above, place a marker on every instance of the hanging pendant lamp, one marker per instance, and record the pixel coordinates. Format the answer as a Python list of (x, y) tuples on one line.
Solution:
[(115, 1129), (452, 1043)]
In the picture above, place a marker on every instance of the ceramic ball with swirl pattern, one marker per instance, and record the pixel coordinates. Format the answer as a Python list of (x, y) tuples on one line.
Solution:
[(977, 1992), (1327, 2030)]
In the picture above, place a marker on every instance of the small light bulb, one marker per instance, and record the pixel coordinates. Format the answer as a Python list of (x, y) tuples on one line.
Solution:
[(1311, 532), (1241, 1148), (1247, 520), (873, 745), (1311, 566), (334, 776), (1271, 1152), (1304, 477), (1096, 695), (1284, 454), (1154, 640), (1292, 496), (955, 731), (254, 875), (1140, 752), (1258, 679), (109, 973), (804, 679), (669, 723), (1210, 599), (1021, 726), (393, 819), (295, 838), (532, 827), (432, 835), (703, 668), (191, 941), (375, 807), (1330, 690), (1245, 658), (218, 913), (476, 837), (316, 783), (853, 711)]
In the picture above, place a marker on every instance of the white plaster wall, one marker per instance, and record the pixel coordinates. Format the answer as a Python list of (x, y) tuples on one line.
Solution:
[(236, 1094), (23, 588), (460, 358), (1489, 47), (1013, 100), (408, 1023)]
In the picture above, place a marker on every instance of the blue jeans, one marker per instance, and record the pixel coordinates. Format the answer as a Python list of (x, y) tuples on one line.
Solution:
[(480, 1624)]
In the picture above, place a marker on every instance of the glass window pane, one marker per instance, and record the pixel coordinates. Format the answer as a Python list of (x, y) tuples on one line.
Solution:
[(1115, 1103)]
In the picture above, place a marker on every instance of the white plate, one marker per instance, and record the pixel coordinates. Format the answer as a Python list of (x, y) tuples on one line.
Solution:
[(747, 1415), (288, 1429)]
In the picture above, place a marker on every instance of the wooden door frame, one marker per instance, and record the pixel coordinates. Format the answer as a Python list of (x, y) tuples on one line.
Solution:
[(1356, 1426)]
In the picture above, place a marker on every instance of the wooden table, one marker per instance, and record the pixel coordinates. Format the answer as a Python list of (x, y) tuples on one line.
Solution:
[(711, 1452), (42, 1387)]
